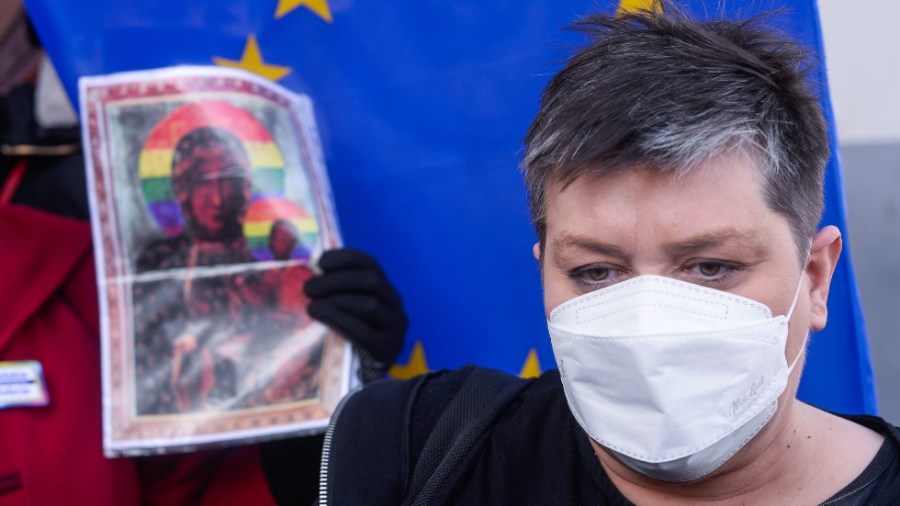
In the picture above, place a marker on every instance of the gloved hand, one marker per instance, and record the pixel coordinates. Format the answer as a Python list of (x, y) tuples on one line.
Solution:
[(354, 297)]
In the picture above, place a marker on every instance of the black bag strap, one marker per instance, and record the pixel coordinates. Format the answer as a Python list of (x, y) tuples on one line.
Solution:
[(480, 400)]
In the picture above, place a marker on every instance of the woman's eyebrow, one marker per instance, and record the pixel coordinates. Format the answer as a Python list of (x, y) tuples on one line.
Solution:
[(746, 240)]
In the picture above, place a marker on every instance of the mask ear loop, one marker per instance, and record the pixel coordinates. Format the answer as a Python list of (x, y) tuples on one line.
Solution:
[(788, 319), (799, 283), (794, 302)]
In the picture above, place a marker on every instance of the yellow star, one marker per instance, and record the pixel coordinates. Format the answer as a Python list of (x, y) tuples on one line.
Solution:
[(319, 7), (532, 367), (251, 60), (417, 364), (638, 5)]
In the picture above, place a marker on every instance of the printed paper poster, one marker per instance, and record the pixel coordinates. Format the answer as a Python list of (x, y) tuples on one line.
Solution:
[(210, 203)]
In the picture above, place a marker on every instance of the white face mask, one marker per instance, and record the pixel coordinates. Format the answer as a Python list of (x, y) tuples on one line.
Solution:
[(673, 378)]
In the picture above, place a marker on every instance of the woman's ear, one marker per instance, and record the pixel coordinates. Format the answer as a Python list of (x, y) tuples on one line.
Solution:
[(823, 257)]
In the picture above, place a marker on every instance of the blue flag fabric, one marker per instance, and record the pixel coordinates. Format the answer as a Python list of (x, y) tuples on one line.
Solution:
[(422, 107)]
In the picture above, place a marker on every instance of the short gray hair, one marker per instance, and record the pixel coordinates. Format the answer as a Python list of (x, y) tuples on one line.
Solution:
[(658, 89)]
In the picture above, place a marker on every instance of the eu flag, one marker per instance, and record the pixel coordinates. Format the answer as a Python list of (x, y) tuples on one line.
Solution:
[(422, 108)]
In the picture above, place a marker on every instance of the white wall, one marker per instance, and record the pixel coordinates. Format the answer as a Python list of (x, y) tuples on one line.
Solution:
[(862, 41)]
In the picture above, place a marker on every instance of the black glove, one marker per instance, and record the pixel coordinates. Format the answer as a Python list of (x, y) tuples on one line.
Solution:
[(354, 297)]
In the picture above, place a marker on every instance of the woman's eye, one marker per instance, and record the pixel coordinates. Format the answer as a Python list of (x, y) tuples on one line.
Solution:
[(595, 276), (710, 268), (712, 271), (597, 273)]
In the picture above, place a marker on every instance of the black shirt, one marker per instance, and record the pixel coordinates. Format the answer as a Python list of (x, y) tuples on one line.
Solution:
[(534, 453), (878, 483), (537, 454)]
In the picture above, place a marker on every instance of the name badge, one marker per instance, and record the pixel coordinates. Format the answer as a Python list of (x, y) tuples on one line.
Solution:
[(22, 384)]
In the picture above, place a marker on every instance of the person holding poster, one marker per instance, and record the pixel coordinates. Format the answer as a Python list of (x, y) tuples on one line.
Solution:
[(51, 293), (211, 210)]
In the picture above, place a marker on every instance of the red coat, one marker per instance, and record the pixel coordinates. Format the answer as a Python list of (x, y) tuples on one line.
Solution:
[(53, 454)]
